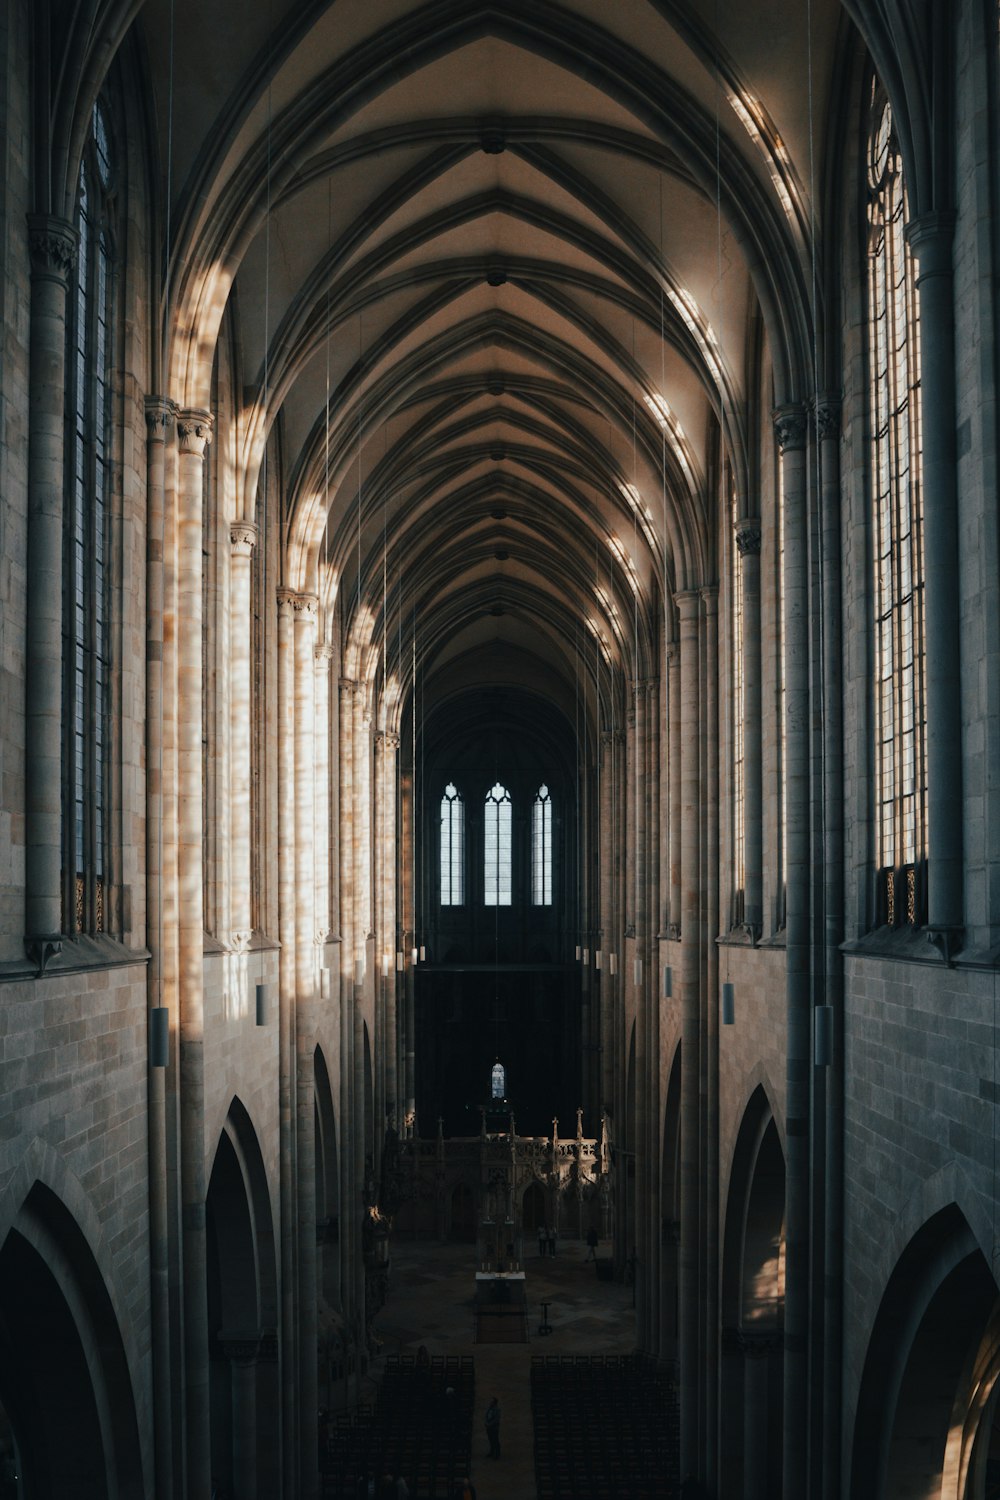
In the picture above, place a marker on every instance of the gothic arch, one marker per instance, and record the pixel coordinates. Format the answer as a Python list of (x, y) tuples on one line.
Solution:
[(64, 1378), (930, 1371)]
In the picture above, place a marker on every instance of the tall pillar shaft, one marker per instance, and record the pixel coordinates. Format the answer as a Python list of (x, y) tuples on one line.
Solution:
[(930, 237), (158, 419), (690, 914), (321, 837), (286, 1035), (790, 427), (243, 537), (748, 546), (305, 608), (710, 799), (53, 248), (674, 719), (193, 431), (606, 931)]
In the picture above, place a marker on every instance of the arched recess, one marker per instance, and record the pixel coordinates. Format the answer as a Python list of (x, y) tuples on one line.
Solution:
[(670, 1210), (242, 1314), (64, 1381), (532, 1208), (327, 1185), (753, 1309), (926, 1406)]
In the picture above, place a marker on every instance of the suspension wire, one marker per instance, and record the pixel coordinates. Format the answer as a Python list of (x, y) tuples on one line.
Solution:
[(265, 474), (164, 379), (635, 669)]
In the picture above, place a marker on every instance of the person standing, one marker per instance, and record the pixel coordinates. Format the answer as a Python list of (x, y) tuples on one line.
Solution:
[(492, 1420), (592, 1244), (543, 1239)]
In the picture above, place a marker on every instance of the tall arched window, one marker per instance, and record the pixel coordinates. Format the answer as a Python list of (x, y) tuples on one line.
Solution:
[(497, 847), (452, 848), (541, 849), (897, 550), (86, 611)]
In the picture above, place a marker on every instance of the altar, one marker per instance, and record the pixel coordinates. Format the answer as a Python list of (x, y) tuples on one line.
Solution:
[(499, 1290)]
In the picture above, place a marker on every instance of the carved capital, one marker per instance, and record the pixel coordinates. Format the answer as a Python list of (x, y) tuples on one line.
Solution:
[(194, 431), (306, 607), (827, 418), (242, 538), (240, 1348), (323, 653), (241, 941), (41, 948), (52, 246), (391, 740), (348, 686), (790, 427), (286, 600), (159, 415), (687, 604), (748, 536)]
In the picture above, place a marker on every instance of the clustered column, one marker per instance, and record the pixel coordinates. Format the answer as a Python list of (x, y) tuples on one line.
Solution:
[(748, 546)]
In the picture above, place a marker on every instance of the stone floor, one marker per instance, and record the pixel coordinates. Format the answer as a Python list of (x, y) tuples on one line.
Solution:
[(430, 1302)]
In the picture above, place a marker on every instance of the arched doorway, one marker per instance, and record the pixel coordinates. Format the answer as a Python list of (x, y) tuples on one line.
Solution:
[(753, 1310), (927, 1409), (532, 1209), (463, 1213), (242, 1315), (67, 1414)]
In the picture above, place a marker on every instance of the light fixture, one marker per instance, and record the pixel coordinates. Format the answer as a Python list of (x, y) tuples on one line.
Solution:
[(423, 954), (668, 981), (613, 964), (728, 1004), (579, 950), (414, 955), (400, 961), (324, 984), (824, 1036), (597, 959), (386, 964), (586, 955), (637, 970), (263, 1003), (159, 1036)]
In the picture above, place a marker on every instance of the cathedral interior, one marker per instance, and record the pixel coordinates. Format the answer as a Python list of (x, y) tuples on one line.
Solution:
[(499, 723)]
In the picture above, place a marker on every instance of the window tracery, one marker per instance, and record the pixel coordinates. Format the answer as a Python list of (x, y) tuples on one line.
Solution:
[(452, 847), (541, 848), (497, 861)]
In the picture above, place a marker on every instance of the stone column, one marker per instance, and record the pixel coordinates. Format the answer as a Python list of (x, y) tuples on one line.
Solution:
[(605, 934), (241, 1350), (286, 1035), (710, 1011), (651, 988), (53, 248), (158, 418), (305, 607), (324, 656), (930, 238), (690, 913), (790, 430), (243, 538), (748, 546), (350, 1244), (193, 432), (757, 1353), (674, 716), (828, 435), (387, 792)]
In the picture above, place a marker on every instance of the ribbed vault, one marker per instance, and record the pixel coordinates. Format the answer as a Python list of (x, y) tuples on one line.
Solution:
[(495, 272)]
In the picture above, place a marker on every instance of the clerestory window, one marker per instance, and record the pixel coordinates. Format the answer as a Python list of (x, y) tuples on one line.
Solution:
[(541, 848), (452, 847), (895, 460), (86, 609), (497, 861)]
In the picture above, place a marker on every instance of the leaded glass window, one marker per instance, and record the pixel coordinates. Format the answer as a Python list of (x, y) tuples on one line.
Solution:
[(497, 861), (452, 847), (541, 848), (86, 611), (897, 532)]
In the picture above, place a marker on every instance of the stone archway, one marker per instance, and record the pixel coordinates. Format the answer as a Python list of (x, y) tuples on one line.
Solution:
[(753, 1310), (242, 1315), (65, 1389), (926, 1412)]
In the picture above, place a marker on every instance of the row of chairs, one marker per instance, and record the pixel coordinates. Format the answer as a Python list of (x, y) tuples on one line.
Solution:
[(606, 1428)]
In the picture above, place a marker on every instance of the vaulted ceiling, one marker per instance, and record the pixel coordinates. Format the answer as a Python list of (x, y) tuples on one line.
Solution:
[(500, 269)]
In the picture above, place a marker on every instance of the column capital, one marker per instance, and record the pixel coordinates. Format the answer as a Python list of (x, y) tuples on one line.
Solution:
[(242, 538), (286, 600), (323, 652), (790, 426), (391, 740), (159, 415), (240, 1348), (828, 409), (710, 598), (348, 686), (759, 1345), (306, 607), (194, 431), (687, 604), (52, 246), (607, 736), (748, 536), (930, 236)]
